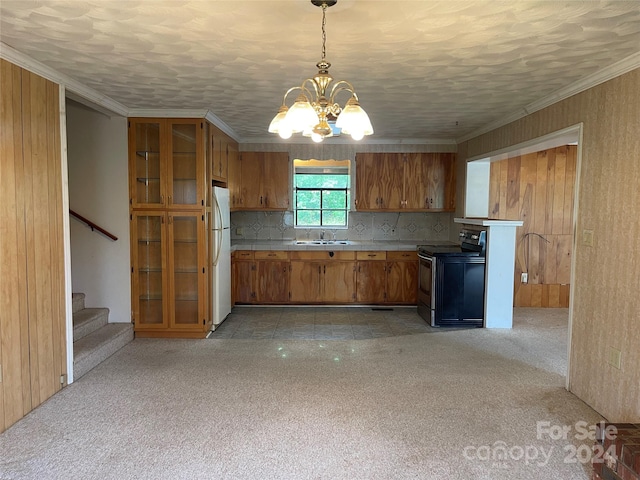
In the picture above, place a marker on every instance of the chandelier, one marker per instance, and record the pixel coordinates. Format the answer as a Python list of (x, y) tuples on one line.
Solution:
[(315, 109)]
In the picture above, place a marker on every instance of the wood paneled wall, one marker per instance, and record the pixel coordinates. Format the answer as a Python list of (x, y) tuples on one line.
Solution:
[(538, 189), (32, 306), (605, 284)]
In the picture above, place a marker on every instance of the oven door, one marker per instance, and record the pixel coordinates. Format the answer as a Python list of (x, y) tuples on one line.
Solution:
[(426, 287)]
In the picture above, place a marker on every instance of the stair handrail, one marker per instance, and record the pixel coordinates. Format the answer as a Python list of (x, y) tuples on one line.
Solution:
[(93, 226)]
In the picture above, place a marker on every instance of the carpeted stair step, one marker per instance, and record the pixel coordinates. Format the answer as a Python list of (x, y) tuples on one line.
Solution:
[(99, 345), (77, 301), (88, 320)]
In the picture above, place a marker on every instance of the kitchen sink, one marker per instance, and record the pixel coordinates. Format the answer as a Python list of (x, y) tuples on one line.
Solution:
[(323, 242)]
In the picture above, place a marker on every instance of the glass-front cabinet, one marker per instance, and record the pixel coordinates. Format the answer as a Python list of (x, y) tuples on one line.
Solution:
[(148, 270), (167, 163), (168, 269), (168, 207), (186, 264)]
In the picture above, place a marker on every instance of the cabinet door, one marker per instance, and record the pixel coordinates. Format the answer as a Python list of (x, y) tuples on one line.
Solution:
[(149, 280), (415, 189), (243, 281), (402, 282), (234, 179), (146, 163), (339, 282), (438, 173), (379, 181), (186, 270), (186, 174), (371, 282), (306, 281), (275, 181), (251, 174), (272, 281)]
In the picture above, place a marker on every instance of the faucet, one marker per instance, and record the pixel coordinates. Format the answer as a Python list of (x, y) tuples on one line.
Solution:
[(322, 235)]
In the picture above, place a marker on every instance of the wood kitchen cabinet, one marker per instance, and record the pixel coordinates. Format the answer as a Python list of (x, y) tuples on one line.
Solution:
[(405, 181), (218, 144), (272, 277), (402, 277), (323, 277), (261, 277), (169, 185), (169, 285), (243, 277), (379, 181), (371, 277), (167, 163), (261, 181)]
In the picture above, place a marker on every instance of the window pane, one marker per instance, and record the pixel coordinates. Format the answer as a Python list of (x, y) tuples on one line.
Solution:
[(316, 180), (334, 217), (308, 199), (334, 199), (308, 218)]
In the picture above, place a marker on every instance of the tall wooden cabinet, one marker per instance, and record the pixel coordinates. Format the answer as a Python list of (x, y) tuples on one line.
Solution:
[(405, 181), (169, 198), (33, 347)]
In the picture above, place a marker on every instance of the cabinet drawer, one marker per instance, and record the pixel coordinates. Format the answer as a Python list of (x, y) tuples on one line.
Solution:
[(243, 254), (323, 255), (394, 256), (271, 255), (371, 255)]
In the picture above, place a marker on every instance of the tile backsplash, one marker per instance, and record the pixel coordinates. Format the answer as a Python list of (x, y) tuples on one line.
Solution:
[(363, 226)]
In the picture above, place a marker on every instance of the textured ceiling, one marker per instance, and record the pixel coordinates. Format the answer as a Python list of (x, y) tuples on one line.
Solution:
[(422, 69)]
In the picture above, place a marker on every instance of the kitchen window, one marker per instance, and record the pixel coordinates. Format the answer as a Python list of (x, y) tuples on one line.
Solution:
[(322, 193)]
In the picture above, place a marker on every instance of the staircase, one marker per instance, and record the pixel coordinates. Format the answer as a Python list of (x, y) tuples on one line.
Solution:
[(94, 339)]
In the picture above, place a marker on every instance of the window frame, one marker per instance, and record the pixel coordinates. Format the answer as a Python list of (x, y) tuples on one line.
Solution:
[(315, 167)]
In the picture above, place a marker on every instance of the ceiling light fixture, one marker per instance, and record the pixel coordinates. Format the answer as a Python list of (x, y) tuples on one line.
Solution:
[(314, 112)]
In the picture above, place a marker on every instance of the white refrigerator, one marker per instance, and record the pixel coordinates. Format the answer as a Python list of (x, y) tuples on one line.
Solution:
[(220, 299)]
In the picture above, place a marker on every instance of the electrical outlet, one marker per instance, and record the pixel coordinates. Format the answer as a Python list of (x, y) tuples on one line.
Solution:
[(239, 231), (524, 277), (587, 238), (615, 357)]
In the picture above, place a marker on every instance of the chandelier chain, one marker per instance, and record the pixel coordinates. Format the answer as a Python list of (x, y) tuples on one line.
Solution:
[(324, 33)]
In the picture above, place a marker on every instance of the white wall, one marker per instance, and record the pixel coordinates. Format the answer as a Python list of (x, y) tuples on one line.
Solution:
[(98, 190)]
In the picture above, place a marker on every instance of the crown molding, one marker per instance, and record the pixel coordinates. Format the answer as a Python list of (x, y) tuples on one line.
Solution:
[(612, 71), (80, 92), (343, 140), (213, 118)]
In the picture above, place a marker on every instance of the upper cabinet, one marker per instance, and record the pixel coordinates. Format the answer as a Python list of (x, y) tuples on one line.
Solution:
[(167, 163), (405, 181), (222, 152), (379, 181), (260, 181)]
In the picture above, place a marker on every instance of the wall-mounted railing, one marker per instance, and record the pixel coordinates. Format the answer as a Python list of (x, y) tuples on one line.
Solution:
[(92, 225)]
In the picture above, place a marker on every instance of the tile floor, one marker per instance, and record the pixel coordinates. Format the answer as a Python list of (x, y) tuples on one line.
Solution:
[(321, 323)]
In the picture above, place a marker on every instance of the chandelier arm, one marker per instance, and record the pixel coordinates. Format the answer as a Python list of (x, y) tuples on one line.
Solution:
[(339, 87), (307, 90)]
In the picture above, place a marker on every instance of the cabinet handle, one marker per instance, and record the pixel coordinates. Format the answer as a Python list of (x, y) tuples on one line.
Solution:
[(162, 199), (260, 200), (169, 198), (371, 255), (271, 254)]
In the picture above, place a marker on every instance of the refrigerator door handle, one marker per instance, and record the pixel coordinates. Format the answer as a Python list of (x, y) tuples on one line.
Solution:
[(219, 229)]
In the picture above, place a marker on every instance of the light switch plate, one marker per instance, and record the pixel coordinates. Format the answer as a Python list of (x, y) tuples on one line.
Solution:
[(615, 357)]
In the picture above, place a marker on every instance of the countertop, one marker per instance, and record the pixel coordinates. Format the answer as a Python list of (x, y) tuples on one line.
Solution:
[(405, 245)]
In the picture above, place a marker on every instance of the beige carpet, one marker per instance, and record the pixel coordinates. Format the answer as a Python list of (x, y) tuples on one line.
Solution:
[(424, 406)]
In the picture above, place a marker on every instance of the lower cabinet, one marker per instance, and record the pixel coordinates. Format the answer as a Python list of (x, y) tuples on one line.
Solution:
[(371, 277), (325, 277), (260, 277), (168, 274), (402, 278)]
